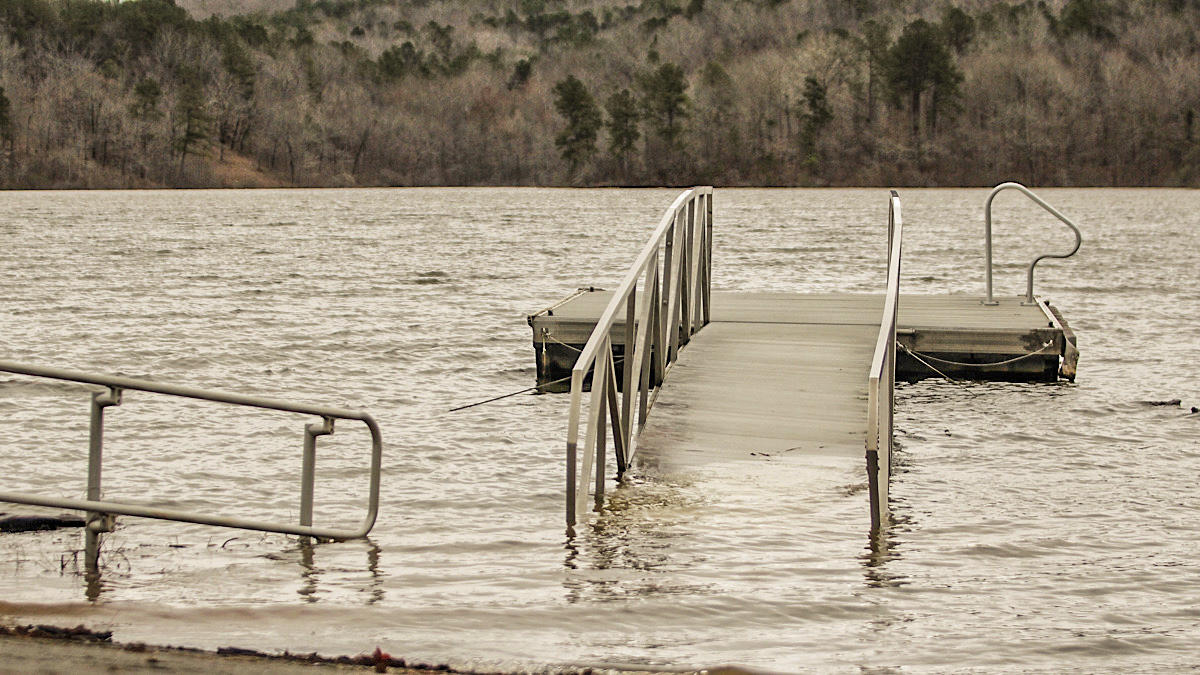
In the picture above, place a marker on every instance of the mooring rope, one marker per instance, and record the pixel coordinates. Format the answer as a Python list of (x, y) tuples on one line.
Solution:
[(1049, 343), (927, 364), (502, 396), (616, 359), (547, 336)]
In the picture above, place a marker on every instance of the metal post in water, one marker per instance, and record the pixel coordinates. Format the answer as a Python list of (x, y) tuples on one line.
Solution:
[(309, 467), (97, 522), (873, 488)]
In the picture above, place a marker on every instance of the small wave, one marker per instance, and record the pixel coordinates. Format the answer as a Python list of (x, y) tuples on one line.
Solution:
[(40, 387), (431, 277)]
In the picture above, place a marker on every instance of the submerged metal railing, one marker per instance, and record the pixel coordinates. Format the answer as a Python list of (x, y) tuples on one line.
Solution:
[(881, 382), (672, 306), (100, 512), (987, 246)]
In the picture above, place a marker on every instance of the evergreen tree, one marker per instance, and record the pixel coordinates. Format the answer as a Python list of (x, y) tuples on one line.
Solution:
[(6, 130), (622, 124), (577, 142), (875, 42), (958, 28), (817, 116), (665, 101), (920, 61), (194, 121), (146, 96)]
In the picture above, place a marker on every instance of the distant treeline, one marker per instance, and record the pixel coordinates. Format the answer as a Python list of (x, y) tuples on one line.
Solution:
[(579, 92)]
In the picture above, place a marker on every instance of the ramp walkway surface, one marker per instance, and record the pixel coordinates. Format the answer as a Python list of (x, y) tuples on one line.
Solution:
[(787, 373)]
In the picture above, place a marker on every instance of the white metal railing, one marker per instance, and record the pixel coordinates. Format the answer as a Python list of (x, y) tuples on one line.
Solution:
[(100, 512), (672, 305), (987, 245), (881, 382)]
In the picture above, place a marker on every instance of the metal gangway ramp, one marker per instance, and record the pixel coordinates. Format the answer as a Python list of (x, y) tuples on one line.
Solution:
[(771, 374)]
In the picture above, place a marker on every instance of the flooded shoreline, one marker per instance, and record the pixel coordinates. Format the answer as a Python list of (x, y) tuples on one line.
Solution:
[(1039, 527)]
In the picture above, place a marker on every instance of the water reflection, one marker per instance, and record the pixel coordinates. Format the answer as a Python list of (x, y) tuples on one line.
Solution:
[(882, 548), (882, 542), (628, 548), (311, 574), (110, 560)]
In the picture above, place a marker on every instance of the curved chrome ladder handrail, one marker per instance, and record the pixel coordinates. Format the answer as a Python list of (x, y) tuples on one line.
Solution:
[(987, 219)]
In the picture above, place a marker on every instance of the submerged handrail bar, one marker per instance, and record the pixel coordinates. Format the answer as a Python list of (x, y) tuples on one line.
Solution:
[(675, 304), (881, 380), (987, 223), (117, 384)]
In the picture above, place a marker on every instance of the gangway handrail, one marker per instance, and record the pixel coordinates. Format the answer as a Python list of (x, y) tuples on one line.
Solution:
[(675, 301), (987, 223), (881, 380), (100, 511)]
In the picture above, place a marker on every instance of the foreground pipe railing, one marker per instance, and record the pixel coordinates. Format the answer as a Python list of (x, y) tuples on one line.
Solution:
[(987, 244), (881, 382), (673, 305), (100, 512)]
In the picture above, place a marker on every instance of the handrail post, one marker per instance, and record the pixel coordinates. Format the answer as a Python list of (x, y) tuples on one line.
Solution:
[(630, 364), (881, 402), (97, 522), (309, 467), (708, 230)]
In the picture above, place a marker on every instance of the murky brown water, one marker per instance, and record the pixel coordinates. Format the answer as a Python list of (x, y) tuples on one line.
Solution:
[(1041, 527)]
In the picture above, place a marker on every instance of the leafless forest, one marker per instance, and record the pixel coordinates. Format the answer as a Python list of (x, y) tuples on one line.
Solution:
[(146, 93)]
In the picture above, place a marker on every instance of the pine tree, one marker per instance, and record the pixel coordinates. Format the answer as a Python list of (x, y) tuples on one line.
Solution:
[(623, 134), (921, 61), (665, 101), (577, 142), (817, 116), (195, 123), (6, 131)]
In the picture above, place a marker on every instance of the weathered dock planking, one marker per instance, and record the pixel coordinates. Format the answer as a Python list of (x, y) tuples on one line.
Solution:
[(809, 377), (945, 330)]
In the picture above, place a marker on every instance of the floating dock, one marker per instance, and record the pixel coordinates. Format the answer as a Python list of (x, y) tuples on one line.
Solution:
[(940, 335)]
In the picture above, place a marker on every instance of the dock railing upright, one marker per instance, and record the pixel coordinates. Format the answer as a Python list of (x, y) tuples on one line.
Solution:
[(881, 382), (100, 511), (673, 272)]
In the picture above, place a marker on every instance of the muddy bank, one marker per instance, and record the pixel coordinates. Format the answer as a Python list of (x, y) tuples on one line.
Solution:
[(53, 649)]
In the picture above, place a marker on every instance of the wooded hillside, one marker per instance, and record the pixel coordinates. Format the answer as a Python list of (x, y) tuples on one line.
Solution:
[(589, 92)]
